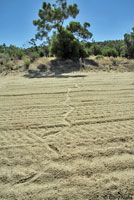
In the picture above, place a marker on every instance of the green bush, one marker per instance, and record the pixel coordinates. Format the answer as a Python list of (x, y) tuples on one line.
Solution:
[(123, 54), (19, 54), (2, 55), (5, 57), (27, 62), (115, 61), (99, 57), (9, 65), (41, 53), (14, 52), (2, 61), (1, 69), (83, 51), (46, 50), (110, 52), (33, 56), (95, 50)]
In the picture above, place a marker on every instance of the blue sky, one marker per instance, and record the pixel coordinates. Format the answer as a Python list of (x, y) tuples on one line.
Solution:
[(109, 19)]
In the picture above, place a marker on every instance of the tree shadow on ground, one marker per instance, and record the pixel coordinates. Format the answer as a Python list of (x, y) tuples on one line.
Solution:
[(91, 62), (35, 74), (57, 69)]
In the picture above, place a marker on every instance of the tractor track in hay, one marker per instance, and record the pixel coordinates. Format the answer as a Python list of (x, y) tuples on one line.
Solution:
[(69, 138)]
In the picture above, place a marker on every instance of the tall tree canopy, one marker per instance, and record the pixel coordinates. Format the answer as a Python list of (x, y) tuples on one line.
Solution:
[(129, 42), (70, 39)]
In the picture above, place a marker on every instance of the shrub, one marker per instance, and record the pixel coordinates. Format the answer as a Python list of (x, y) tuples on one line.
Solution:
[(26, 62), (46, 50), (99, 57), (41, 53), (9, 65), (33, 56), (1, 69), (110, 52), (19, 54), (5, 57), (95, 50), (115, 61), (2, 61), (83, 51), (2, 55)]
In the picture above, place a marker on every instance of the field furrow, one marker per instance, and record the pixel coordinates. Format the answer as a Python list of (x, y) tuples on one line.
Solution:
[(67, 138)]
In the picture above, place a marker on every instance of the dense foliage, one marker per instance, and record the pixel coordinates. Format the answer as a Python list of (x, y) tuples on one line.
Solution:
[(129, 44), (108, 48), (10, 54)]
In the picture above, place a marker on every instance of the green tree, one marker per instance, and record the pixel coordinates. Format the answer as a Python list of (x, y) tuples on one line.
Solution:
[(116, 44), (79, 31), (96, 49), (119, 46), (66, 42), (66, 46), (129, 44), (53, 17), (33, 43), (3, 48), (110, 52)]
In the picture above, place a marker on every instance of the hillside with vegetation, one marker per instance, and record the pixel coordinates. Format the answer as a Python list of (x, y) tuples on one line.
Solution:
[(116, 53), (73, 41)]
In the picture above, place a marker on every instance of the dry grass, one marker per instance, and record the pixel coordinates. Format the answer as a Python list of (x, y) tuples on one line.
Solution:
[(70, 137)]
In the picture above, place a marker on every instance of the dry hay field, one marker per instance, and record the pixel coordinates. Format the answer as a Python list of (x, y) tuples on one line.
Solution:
[(67, 138)]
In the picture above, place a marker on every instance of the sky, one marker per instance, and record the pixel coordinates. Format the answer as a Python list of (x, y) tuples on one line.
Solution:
[(109, 19)]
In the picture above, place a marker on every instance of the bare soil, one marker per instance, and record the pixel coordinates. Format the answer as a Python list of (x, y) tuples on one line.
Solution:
[(67, 137)]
